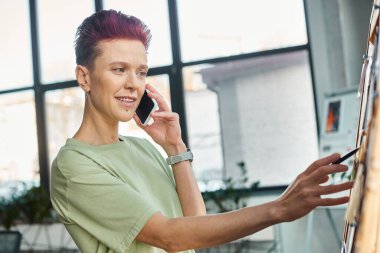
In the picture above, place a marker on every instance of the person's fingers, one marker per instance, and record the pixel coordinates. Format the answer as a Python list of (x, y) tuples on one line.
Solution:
[(321, 162), (165, 115), (329, 189), (332, 201), (154, 94), (151, 88), (323, 171), (324, 180)]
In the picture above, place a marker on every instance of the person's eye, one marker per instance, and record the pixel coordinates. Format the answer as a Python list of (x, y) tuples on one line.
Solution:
[(121, 70), (143, 73)]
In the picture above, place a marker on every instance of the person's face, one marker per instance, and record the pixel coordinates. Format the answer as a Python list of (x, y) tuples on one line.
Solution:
[(117, 81)]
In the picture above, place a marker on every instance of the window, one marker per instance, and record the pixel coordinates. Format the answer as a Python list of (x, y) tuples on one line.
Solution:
[(203, 125), (154, 13), (18, 140), (267, 116), (58, 21), (232, 106), (239, 26), (64, 113), (15, 49)]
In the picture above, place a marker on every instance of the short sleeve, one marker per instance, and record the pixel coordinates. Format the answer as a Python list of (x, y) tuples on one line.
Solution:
[(101, 203)]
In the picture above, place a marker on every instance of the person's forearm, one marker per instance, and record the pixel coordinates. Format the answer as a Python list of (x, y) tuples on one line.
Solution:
[(206, 231), (187, 188), (211, 230), (188, 192)]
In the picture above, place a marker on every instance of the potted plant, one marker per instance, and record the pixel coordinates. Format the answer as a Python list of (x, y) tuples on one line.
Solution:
[(231, 197), (35, 205), (31, 206), (9, 212)]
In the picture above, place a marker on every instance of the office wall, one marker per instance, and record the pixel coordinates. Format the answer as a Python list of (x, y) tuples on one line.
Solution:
[(338, 35)]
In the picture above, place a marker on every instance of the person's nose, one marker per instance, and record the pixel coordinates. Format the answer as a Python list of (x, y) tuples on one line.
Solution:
[(131, 81)]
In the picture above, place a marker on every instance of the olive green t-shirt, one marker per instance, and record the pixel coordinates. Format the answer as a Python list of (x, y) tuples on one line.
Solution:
[(105, 194)]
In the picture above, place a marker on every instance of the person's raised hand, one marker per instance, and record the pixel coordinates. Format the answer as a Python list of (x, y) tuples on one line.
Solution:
[(165, 129), (306, 191)]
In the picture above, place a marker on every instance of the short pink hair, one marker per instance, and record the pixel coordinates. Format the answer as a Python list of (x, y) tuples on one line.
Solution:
[(107, 25)]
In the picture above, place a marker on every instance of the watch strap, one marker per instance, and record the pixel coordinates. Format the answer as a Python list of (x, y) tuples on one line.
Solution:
[(188, 155)]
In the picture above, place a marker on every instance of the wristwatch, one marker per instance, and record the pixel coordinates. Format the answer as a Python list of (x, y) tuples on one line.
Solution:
[(188, 155)]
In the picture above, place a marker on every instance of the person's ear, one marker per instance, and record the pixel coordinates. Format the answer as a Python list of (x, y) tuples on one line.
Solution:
[(83, 78)]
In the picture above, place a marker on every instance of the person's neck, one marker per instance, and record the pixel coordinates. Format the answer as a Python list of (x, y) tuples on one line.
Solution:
[(96, 130)]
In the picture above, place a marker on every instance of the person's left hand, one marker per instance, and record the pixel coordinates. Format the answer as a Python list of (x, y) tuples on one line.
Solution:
[(165, 129), (307, 192)]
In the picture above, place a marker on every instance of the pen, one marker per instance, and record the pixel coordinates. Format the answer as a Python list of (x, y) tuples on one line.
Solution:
[(346, 156)]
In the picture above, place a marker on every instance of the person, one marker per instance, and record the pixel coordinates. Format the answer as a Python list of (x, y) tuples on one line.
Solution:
[(118, 194)]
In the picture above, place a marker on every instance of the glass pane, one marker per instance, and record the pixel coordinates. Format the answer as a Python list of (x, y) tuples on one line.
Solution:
[(64, 112), (204, 138), (161, 83), (15, 47), (239, 26), (154, 13), (58, 21), (18, 144), (267, 116)]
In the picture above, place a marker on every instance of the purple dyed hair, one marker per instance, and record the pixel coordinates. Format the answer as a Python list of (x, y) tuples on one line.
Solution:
[(107, 25)]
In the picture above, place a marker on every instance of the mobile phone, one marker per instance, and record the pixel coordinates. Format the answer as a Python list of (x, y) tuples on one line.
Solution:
[(145, 108)]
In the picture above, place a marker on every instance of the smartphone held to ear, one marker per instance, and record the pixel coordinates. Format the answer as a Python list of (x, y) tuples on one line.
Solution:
[(145, 108)]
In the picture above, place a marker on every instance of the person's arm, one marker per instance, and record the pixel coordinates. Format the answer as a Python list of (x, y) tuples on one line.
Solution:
[(205, 231), (187, 188), (166, 131), (197, 232)]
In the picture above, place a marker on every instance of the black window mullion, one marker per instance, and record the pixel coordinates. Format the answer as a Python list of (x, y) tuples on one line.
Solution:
[(311, 66), (176, 77), (39, 99), (244, 56), (98, 5)]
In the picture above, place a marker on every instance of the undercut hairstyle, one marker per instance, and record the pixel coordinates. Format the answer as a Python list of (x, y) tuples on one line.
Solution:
[(107, 25)]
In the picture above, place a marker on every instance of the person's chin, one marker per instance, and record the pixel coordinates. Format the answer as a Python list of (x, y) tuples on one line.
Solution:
[(125, 118)]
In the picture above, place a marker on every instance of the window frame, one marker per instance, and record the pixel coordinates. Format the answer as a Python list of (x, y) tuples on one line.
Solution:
[(174, 71)]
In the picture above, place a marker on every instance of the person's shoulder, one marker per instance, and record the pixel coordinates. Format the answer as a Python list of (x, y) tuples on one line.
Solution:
[(72, 159), (67, 155), (69, 152)]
